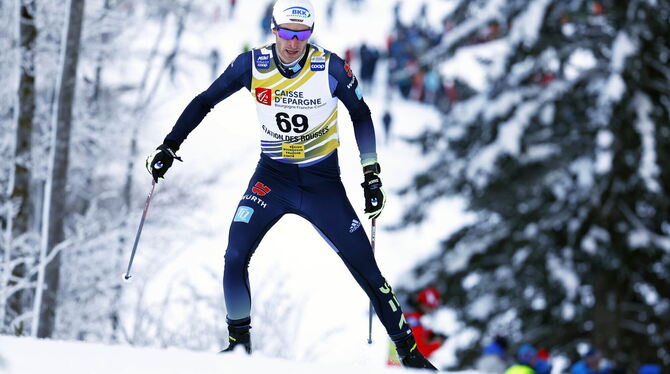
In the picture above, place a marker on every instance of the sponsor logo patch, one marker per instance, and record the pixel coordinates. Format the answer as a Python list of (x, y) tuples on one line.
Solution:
[(358, 92), (353, 80), (262, 61), (260, 189), (350, 74), (318, 63), (264, 96), (347, 68), (297, 13), (355, 224), (243, 214), (255, 199)]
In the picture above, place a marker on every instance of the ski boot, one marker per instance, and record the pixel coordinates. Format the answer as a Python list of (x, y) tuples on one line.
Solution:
[(238, 335), (410, 356)]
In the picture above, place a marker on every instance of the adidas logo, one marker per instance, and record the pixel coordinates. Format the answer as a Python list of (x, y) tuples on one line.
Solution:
[(354, 225)]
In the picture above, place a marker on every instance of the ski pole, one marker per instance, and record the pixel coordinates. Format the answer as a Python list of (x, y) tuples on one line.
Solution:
[(373, 234), (126, 276)]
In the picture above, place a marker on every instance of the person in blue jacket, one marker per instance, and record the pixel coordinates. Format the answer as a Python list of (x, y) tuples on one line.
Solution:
[(525, 361), (589, 364), (528, 361), (494, 356), (296, 87), (649, 369)]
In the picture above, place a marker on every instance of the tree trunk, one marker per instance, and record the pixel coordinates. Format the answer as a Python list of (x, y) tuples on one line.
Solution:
[(20, 188), (56, 185), (26, 115)]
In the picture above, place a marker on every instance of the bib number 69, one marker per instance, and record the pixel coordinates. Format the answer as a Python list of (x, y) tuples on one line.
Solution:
[(298, 122)]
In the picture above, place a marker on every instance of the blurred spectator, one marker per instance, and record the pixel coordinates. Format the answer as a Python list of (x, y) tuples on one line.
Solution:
[(369, 57), (420, 304), (423, 12), (494, 357), (450, 90), (420, 80), (405, 46), (417, 92), (494, 30), (404, 81), (266, 19), (423, 303), (597, 8), (231, 9), (525, 361), (422, 20), (348, 56), (541, 78), (650, 369), (396, 15), (387, 121), (432, 85), (444, 102), (591, 363), (542, 364), (330, 10)]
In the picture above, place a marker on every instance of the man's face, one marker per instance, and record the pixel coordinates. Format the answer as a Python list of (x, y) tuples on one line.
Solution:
[(290, 50)]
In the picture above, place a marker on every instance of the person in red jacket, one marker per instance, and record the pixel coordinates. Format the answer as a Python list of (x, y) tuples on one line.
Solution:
[(427, 341), (426, 301)]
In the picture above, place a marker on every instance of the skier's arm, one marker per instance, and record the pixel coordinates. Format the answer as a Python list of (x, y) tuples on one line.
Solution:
[(236, 76), (344, 86)]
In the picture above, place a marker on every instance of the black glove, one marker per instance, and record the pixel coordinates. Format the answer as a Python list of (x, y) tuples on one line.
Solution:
[(375, 198), (160, 160)]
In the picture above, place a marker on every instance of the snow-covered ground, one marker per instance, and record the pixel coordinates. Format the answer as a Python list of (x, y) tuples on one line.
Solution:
[(33, 356)]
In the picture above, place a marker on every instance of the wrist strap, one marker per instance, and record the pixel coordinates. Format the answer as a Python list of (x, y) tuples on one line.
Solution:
[(373, 168), (171, 144)]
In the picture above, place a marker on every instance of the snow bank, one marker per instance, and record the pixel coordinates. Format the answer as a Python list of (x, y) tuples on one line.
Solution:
[(33, 356)]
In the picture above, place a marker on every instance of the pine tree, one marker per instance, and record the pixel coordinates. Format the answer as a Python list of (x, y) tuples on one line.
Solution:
[(564, 158)]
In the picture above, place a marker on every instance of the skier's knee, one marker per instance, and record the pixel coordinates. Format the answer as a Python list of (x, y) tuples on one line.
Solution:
[(234, 258)]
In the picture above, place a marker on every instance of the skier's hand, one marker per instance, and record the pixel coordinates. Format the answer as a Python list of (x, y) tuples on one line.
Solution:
[(160, 160), (375, 198)]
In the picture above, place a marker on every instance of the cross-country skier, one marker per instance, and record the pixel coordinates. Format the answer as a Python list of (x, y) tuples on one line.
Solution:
[(296, 86)]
